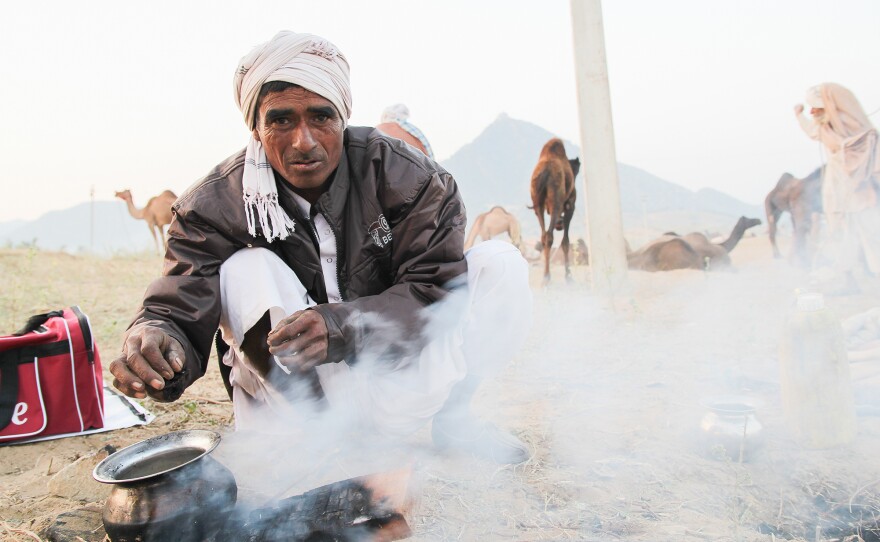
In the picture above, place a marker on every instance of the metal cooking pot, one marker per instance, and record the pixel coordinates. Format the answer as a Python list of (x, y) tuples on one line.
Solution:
[(730, 427), (166, 488)]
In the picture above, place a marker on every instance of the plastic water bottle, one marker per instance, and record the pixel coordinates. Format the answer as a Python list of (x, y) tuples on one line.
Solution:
[(814, 369)]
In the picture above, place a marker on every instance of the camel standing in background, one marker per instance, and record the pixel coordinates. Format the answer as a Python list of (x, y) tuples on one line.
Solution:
[(156, 213), (494, 222), (553, 191), (802, 198)]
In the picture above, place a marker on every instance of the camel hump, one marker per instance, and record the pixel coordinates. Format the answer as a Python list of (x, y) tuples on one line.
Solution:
[(168, 194), (498, 208), (554, 147)]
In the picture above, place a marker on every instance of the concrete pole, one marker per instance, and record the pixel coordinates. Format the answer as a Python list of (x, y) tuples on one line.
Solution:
[(92, 219), (598, 157)]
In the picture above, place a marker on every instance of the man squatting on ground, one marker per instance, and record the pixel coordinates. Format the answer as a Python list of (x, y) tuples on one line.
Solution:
[(341, 241)]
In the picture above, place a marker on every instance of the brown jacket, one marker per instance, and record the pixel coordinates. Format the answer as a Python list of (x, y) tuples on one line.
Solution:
[(399, 223)]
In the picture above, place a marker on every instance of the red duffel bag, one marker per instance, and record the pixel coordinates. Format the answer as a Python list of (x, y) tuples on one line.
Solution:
[(50, 378)]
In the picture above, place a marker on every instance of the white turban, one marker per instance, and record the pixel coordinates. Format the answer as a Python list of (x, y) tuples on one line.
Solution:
[(306, 60), (814, 97), (302, 59), (395, 113)]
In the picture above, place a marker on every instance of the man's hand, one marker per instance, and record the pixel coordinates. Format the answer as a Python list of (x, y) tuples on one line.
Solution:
[(798, 109), (149, 357), (300, 340)]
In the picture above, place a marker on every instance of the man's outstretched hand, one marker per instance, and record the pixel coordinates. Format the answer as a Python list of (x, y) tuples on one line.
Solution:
[(300, 341), (150, 357)]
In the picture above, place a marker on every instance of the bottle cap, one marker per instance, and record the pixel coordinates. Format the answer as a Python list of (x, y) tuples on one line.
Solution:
[(810, 301)]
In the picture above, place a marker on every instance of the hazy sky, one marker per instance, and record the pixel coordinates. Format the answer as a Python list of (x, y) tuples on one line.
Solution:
[(116, 95)]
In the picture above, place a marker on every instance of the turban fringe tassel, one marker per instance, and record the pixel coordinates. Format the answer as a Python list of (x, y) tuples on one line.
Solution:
[(261, 196)]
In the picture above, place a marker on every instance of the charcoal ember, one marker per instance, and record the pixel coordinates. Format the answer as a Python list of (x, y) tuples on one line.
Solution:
[(854, 520), (341, 512)]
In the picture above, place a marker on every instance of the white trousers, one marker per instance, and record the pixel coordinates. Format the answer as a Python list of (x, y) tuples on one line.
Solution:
[(851, 235), (494, 316)]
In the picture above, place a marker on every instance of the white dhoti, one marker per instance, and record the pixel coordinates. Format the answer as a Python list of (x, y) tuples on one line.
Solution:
[(493, 314), (853, 221), (851, 237)]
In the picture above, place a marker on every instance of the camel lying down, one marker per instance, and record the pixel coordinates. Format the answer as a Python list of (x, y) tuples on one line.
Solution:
[(691, 251)]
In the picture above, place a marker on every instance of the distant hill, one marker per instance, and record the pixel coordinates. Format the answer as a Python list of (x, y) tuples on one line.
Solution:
[(493, 169), (496, 168), (70, 230), (7, 227)]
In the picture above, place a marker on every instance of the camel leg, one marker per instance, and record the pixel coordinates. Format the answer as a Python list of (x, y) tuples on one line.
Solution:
[(155, 239), (548, 243), (569, 212), (565, 248), (547, 240), (539, 212), (545, 246), (773, 214)]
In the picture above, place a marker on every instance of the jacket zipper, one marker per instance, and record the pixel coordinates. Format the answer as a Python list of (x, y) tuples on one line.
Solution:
[(333, 230), (316, 240), (336, 263)]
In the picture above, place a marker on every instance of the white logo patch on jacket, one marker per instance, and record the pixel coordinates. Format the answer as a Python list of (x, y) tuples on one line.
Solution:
[(380, 231)]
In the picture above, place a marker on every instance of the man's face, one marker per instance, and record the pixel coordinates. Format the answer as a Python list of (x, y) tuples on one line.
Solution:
[(818, 113), (301, 133)]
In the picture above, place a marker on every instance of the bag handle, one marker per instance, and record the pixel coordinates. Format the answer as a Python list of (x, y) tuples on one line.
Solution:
[(86, 330), (37, 320), (8, 386)]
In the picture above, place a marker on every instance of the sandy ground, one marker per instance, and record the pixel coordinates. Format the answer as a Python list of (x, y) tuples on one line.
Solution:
[(607, 394)]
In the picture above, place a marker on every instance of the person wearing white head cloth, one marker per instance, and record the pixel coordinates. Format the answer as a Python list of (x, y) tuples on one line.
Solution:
[(395, 122), (330, 257), (850, 181)]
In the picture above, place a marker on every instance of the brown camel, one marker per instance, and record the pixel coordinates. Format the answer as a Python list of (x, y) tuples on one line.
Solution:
[(802, 198), (156, 213), (553, 191), (494, 222), (691, 251)]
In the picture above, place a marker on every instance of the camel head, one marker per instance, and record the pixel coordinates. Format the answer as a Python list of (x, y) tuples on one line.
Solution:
[(575, 164), (124, 195), (751, 222)]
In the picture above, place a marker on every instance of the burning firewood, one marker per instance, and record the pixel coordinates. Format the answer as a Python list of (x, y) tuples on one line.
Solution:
[(342, 511)]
